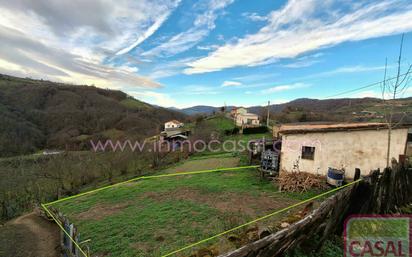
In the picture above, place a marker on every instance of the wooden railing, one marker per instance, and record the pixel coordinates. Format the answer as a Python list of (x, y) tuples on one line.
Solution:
[(378, 193)]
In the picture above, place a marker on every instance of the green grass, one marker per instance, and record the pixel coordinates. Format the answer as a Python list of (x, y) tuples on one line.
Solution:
[(205, 163), (155, 216), (131, 103), (331, 248), (249, 137), (207, 155), (113, 133), (220, 122)]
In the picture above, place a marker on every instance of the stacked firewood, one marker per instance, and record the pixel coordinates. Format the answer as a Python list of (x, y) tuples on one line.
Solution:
[(300, 181)]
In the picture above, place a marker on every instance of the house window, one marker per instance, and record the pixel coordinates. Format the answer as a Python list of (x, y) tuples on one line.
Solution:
[(410, 138), (308, 152)]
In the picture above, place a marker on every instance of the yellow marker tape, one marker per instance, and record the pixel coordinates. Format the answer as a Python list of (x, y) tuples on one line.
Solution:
[(149, 177), (61, 227), (127, 181), (261, 218)]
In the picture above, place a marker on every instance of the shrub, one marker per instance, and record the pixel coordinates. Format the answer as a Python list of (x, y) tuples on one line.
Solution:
[(255, 130), (233, 131)]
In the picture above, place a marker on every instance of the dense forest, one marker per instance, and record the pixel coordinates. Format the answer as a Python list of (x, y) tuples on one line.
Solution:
[(37, 115)]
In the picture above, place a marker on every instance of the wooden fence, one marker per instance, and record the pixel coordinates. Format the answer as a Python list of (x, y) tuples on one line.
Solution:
[(69, 248), (378, 193)]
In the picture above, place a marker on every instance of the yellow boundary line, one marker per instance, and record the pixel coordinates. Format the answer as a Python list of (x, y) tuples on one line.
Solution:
[(61, 227), (149, 177), (181, 174), (44, 206), (261, 218)]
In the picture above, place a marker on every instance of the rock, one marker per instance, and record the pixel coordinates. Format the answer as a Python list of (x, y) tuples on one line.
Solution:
[(284, 225)]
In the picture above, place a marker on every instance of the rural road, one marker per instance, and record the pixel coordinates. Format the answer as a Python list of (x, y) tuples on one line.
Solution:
[(29, 236)]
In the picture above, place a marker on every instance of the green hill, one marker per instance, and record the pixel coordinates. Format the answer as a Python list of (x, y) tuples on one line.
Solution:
[(37, 114)]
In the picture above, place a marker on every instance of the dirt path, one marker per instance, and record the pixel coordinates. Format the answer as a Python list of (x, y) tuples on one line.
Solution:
[(29, 236)]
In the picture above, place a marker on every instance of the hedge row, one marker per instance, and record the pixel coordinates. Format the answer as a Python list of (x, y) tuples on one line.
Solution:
[(255, 130)]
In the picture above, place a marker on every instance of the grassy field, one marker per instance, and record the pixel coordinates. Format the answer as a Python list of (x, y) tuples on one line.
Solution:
[(32, 179), (220, 122), (206, 163), (156, 216)]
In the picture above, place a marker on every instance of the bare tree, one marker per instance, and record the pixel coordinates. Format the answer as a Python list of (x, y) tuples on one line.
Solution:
[(392, 89)]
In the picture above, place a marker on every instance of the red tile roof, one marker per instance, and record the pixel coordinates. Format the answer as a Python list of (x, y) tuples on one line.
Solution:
[(175, 121)]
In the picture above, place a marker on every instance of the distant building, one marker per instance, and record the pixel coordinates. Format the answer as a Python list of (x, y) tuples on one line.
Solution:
[(244, 119), (173, 124), (368, 113), (236, 111), (176, 137), (314, 148), (51, 152), (247, 120)]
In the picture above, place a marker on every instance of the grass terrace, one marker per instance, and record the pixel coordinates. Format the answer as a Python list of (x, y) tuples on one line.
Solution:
[(153, 217)]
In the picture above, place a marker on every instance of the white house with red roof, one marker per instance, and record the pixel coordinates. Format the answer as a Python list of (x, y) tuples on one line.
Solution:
[(173, 124)]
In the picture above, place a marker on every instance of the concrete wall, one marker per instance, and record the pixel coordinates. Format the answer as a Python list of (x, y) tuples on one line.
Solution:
[(247, 120), (347, 149)]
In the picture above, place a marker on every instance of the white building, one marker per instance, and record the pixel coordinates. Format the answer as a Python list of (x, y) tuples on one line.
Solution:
[(236, 111), (247, 119), (315, 148), (173, 124)]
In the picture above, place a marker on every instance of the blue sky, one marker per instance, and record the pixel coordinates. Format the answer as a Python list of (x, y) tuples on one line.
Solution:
[(210, 52)]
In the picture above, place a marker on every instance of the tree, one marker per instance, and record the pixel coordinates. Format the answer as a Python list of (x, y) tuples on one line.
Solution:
[(392, 89)]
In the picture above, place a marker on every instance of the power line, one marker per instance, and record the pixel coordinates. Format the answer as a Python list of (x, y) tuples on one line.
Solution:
[(366, 86)]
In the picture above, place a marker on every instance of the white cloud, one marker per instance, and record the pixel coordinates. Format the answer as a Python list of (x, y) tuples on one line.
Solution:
[(347, 69), (228, 83), (368, 93), (70, 41), (281, 88), (257, 77), (202, 25), (304, 61), (168, 69), (208, 47), (254, 16), (154, 98), (357, 68), (178, 43), (303, 26), (301, 64), (198, 90), (152, 29)]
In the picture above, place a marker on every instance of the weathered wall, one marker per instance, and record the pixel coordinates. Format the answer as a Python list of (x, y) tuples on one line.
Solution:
[(376, 194), (364, 149)]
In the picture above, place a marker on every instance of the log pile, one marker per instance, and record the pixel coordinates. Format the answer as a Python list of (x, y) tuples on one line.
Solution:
[(300, 182), (378, 193)]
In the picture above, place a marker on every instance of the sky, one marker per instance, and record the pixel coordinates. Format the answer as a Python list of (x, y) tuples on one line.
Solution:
[(183, 53)]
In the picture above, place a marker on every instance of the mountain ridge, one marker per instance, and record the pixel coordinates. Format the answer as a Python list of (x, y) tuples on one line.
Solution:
[(38, 114)]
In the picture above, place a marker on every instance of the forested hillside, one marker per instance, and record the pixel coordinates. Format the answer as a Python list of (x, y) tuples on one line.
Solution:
[(339, 110), (35, 115)]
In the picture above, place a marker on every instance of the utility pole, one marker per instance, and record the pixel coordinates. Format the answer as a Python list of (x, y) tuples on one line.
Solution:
[(267, 118)]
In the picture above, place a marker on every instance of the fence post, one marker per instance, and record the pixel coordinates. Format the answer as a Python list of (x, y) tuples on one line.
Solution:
[(357, 174)]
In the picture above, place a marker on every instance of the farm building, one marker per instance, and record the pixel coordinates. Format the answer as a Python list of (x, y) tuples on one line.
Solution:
[(174, 134), (236, 111), (173, 124), (247, 119), (314, 148)]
